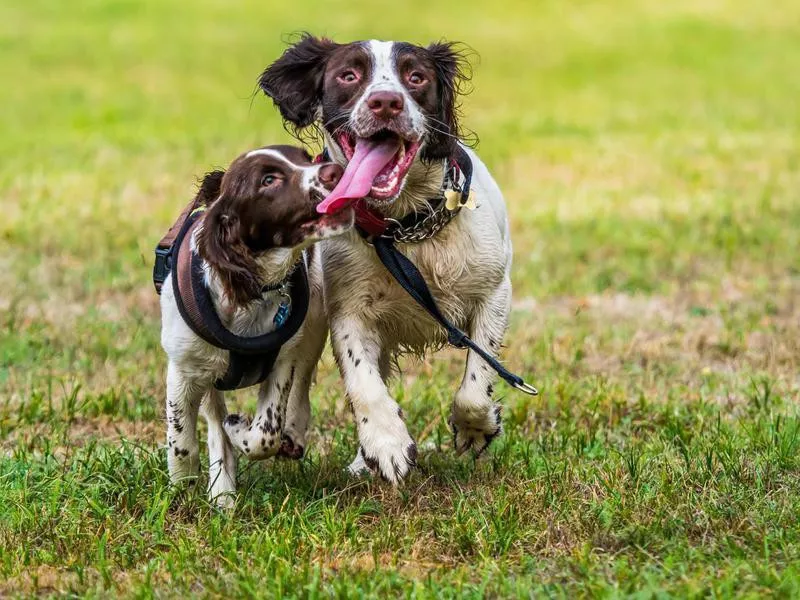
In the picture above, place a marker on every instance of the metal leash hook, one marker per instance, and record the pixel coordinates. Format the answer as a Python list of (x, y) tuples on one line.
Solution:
[(526, 388)]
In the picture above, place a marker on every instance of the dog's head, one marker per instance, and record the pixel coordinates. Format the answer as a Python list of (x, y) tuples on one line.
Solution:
[(266, 200), (381, 104)]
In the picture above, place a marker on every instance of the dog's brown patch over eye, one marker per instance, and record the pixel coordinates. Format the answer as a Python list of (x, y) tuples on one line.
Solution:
[(262, 203)]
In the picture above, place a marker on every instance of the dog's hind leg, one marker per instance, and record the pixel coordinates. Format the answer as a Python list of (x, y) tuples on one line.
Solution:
[(307, 349), (183, 403), (221, 455), (298, 408), (475, 418)]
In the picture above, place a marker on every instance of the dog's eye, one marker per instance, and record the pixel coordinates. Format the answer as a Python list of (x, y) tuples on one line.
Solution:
[(416, 78), (348, 76), (269, 179)]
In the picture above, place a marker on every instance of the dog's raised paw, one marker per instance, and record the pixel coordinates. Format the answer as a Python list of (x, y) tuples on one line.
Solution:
[(289, 449), (236, 427)]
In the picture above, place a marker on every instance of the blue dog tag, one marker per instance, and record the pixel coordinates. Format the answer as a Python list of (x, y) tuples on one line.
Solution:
[(281, 315)]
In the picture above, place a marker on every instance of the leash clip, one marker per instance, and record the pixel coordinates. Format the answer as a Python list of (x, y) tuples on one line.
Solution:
[(526, 388)]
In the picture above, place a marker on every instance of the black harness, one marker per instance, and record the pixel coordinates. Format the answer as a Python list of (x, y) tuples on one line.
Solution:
[(251, 358)]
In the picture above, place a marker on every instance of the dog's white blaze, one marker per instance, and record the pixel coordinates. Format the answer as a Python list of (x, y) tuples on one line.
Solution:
[(386, 78), (310, 179), (384, 75), (270, 152)]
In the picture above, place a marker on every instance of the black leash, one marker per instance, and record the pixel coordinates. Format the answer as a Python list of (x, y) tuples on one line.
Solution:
[(412, 281)]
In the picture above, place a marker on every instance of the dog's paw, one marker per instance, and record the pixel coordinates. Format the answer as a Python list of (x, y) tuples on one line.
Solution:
[(257, 441), (183, 463), (237, 427), (387, 450), (290, 449), (471, 432), (224, 502), (222, 492), (222, 479), (235, 423)]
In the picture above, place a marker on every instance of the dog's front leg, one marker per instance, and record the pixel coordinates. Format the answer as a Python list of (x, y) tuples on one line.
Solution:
[(386, 445), (261, 438), (183, 402), (221, 455), (475, 418)]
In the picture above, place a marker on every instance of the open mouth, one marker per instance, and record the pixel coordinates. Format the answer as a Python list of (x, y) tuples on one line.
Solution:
[(376, 169)]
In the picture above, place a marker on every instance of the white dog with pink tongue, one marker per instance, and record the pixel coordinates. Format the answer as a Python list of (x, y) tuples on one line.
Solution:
[(389, 115)]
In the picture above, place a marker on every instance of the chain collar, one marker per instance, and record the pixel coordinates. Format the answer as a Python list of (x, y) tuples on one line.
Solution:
[(438, 215), (423, 229)]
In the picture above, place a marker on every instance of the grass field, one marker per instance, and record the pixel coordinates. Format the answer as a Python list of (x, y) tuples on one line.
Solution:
[(650, 156)]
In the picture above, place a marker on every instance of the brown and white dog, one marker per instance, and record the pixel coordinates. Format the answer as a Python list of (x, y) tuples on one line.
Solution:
[(388, 112), (261, 216)]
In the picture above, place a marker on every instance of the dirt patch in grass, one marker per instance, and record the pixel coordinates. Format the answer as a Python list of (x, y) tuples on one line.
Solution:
[(64, 437), (42, 580), (698, 331)]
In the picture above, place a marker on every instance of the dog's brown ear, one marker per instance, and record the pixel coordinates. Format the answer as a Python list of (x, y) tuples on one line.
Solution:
[(294, 81), (209, 188), (221, 243), (452, 71)]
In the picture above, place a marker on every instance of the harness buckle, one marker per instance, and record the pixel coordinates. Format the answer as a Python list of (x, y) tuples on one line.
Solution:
[(162, 266)]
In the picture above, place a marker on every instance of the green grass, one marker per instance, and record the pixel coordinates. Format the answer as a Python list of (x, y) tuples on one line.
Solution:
[(650, 157)]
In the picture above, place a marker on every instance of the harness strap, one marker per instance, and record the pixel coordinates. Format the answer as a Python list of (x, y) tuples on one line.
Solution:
[(164, 255), (245, 370), (251, 358), (197, 308), (209, 189), (462, 161), (412, 281)]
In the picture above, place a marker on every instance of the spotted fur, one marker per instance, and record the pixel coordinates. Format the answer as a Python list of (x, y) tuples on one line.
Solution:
[(247, 213), (467, 265)]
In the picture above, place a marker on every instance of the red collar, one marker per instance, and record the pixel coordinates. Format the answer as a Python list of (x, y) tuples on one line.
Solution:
[(369, 220)]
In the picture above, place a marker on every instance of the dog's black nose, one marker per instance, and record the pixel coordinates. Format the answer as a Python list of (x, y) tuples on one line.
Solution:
[(385, 105), (329, 175)]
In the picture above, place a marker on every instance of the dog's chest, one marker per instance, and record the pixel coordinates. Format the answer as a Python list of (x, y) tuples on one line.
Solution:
[(458, 270)]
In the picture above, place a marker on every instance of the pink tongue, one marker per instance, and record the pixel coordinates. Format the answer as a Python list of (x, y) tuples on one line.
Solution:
[(356, 182)]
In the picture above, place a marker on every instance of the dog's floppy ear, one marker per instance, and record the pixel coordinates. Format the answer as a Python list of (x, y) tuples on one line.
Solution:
[(221, 243), (209, 188), (452, 71), (294, 81)]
